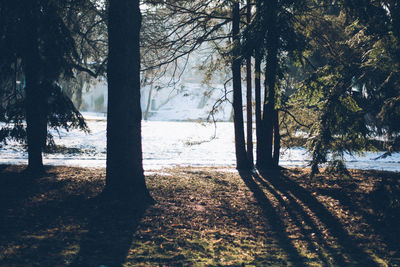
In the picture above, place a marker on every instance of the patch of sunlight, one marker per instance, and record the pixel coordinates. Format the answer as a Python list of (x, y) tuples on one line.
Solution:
[(69, 253), (377, 259)]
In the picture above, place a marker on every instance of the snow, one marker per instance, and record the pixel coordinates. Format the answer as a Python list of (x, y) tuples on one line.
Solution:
[(173, 143), (187, 102), (184, 101)]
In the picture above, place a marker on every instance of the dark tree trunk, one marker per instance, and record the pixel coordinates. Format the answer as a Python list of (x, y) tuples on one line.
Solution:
[(35, 122), (257, 84), (44, 96), (242, 162), (34, 102), (125, 176), (249, 99), (277, 140), (266, 160)]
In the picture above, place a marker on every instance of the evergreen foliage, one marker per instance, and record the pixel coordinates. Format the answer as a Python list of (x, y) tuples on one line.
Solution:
[(64, 38), (60, 111), (350, 80)]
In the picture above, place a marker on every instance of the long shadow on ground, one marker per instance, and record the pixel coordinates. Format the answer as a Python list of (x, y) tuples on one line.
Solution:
[(274, 220), (303, 224), (110, 234), (383, 200), (58, 220), (37, 225), (51, 221)]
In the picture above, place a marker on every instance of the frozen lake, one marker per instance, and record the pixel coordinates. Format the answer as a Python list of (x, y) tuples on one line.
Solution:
[(167, 144)]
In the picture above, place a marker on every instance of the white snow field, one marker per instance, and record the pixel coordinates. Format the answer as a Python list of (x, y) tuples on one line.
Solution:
[(168, 143)]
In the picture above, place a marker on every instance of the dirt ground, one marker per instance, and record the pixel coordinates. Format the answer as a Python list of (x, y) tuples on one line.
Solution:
[(202, 216)]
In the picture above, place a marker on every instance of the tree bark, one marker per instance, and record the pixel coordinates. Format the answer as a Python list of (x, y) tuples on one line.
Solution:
[(242, 162), (124, 173), (35, 119), (34, 123), (249, 104), (146, 114), (257, 84), (277, 140), (266, 160)]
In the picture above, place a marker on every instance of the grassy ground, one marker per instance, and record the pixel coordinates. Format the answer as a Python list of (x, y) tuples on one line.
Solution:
[(202, 216)]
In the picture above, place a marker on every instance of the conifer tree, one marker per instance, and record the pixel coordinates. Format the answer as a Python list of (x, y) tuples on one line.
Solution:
[(39, 46)]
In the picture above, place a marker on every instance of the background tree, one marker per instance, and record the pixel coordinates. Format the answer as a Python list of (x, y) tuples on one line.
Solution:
[(272, 45), (40, 39), (347, 72), (249, 97), (242, 161), (380, 71), (196, 23), (271, 37)]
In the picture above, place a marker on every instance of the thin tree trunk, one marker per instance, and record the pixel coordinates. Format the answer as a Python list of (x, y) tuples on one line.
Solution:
[(257, 84), (146, 114), (249, 99), (266, 160), (277, 140), (242, 162), (125, 176)]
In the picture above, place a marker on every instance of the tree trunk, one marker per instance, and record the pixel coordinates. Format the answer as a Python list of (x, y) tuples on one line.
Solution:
[(34, 122), (257, 84), (249, 99), (277, 140), (125, 176), (266, 160), (146, 114), (33, 99), (242, 162)]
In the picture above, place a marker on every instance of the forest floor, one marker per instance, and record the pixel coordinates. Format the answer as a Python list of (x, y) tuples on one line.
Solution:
[(202, 216)]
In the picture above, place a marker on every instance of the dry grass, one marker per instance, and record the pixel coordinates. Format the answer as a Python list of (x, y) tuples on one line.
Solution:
[(202, 216)]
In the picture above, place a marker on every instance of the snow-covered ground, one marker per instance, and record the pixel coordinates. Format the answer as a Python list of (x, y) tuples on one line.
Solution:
[(167, 144)]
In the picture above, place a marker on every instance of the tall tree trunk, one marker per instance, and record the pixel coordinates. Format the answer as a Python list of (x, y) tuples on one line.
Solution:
[(266, 161), (249, 99), (33, 98), (277, 140), (125, 176), (257, 84), (241, 156)]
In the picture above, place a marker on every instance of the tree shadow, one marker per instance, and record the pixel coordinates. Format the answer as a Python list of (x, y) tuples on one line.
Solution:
[(306, 225), (376, 208), (58, 222), (274, 220), (313, 221), (13, 185), (110, 233), (347, 247), (35, 224)]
